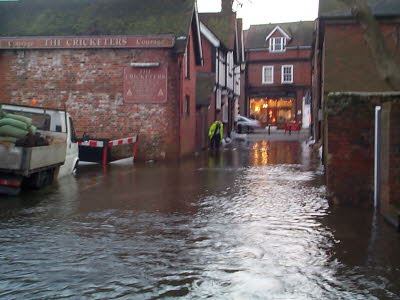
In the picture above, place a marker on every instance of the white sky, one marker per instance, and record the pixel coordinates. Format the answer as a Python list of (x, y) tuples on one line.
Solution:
[(267, 11)]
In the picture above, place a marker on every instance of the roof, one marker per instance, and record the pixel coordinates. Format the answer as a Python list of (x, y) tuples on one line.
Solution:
[(204, 87), (223, 25), (95, 17), (380, 8), (301, 34)]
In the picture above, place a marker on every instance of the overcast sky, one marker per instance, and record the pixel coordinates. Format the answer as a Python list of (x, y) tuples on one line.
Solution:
[(267, 11)]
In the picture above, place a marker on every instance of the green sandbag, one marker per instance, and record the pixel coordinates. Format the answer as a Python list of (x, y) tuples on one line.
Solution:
[(14, 123), (8, 139), (26, 120), (8, 130), (32, 129), (3, 114)]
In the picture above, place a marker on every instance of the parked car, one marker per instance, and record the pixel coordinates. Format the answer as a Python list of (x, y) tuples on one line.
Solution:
[(247, 125)]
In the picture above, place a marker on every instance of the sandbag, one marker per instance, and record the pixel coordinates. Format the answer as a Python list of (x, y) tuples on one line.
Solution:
[(11, 131), (8, 139), (26, 120), (32, 129), (3, 114), (14, 123)]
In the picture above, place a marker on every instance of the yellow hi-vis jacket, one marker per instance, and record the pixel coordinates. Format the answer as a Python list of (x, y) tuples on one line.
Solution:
[(213, 128)]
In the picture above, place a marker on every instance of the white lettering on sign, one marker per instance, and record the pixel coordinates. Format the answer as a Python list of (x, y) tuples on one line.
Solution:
[(87, 42), (145, 85)]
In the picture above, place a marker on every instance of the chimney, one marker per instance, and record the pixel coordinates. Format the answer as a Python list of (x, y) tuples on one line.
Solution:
[(226, 6)]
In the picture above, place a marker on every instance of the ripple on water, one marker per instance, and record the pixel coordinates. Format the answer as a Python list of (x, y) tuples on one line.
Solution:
[(261, 236)]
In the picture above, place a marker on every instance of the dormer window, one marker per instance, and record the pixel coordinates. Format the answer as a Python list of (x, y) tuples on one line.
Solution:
[(277, 44), (277, 40)]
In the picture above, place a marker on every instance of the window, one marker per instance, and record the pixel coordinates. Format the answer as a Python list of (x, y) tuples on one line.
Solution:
[(187, 61), (225, 111), (268, 75), (218, 100), (187, 105), (277, 44), (287, 74)]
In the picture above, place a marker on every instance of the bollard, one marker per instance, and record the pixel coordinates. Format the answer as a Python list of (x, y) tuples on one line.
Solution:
[(104, 162)]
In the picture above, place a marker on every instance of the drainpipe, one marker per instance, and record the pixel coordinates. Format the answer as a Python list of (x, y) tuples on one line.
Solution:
[(377, 161), (217, 85), (179, 100)]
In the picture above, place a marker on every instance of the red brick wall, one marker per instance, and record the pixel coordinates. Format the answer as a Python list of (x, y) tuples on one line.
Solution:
[(188, 121), (349, 148), (90, 84), (288, 54), (301, 73), (208, 50), (390, 161), (348, 63)]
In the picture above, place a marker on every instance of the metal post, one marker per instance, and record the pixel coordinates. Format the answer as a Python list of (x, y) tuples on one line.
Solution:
[(377, 162), (104, 162)]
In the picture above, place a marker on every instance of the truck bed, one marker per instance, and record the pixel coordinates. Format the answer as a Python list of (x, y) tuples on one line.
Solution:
[(24, 160)]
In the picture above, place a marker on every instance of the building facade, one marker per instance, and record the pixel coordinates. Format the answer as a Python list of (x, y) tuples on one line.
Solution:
[(349, 91), (129, 70), (342, 60), (278, 72), (224, 54)]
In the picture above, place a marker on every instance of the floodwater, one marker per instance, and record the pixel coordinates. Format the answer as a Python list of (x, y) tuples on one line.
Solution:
[(249, 222)]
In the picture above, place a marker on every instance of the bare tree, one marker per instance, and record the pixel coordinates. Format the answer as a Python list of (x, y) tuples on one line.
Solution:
[(386, 64)]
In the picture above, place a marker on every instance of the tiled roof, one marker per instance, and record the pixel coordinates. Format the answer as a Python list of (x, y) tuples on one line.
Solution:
[(300, 32), (222, 25), (335, 8), (204, 87), (95, 17)]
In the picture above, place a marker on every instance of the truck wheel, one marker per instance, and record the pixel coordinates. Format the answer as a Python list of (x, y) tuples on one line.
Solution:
[(41, 179)]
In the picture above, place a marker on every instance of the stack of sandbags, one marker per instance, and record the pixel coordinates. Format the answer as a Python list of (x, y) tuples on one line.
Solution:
[(14, 127)]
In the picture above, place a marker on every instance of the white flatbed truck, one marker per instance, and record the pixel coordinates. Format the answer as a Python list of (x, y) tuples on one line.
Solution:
[(38, 166)]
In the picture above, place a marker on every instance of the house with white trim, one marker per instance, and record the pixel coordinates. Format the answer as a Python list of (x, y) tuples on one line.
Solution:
[(278, 73), (218, 86)]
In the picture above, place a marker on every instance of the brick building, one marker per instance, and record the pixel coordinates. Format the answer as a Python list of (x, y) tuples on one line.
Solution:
[(345, 122), (342, 60), (120, 67), (223, 56), (278, 72)]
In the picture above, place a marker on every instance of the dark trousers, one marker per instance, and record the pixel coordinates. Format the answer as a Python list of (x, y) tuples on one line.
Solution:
[(215, 141)]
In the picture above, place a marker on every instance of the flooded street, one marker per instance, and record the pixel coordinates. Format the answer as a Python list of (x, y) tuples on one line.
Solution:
[(250, 222)]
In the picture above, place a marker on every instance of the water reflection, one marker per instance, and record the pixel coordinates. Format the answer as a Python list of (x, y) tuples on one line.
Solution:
[(248, 222), (266, 152)]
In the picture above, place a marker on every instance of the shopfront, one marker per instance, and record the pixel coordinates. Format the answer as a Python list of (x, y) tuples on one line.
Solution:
[(273, 111)]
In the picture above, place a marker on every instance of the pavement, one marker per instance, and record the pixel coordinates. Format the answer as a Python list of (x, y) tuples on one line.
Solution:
[(278, 135)]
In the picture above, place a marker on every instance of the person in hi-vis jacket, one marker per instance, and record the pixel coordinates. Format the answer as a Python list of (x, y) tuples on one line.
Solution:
[(216, 134)]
